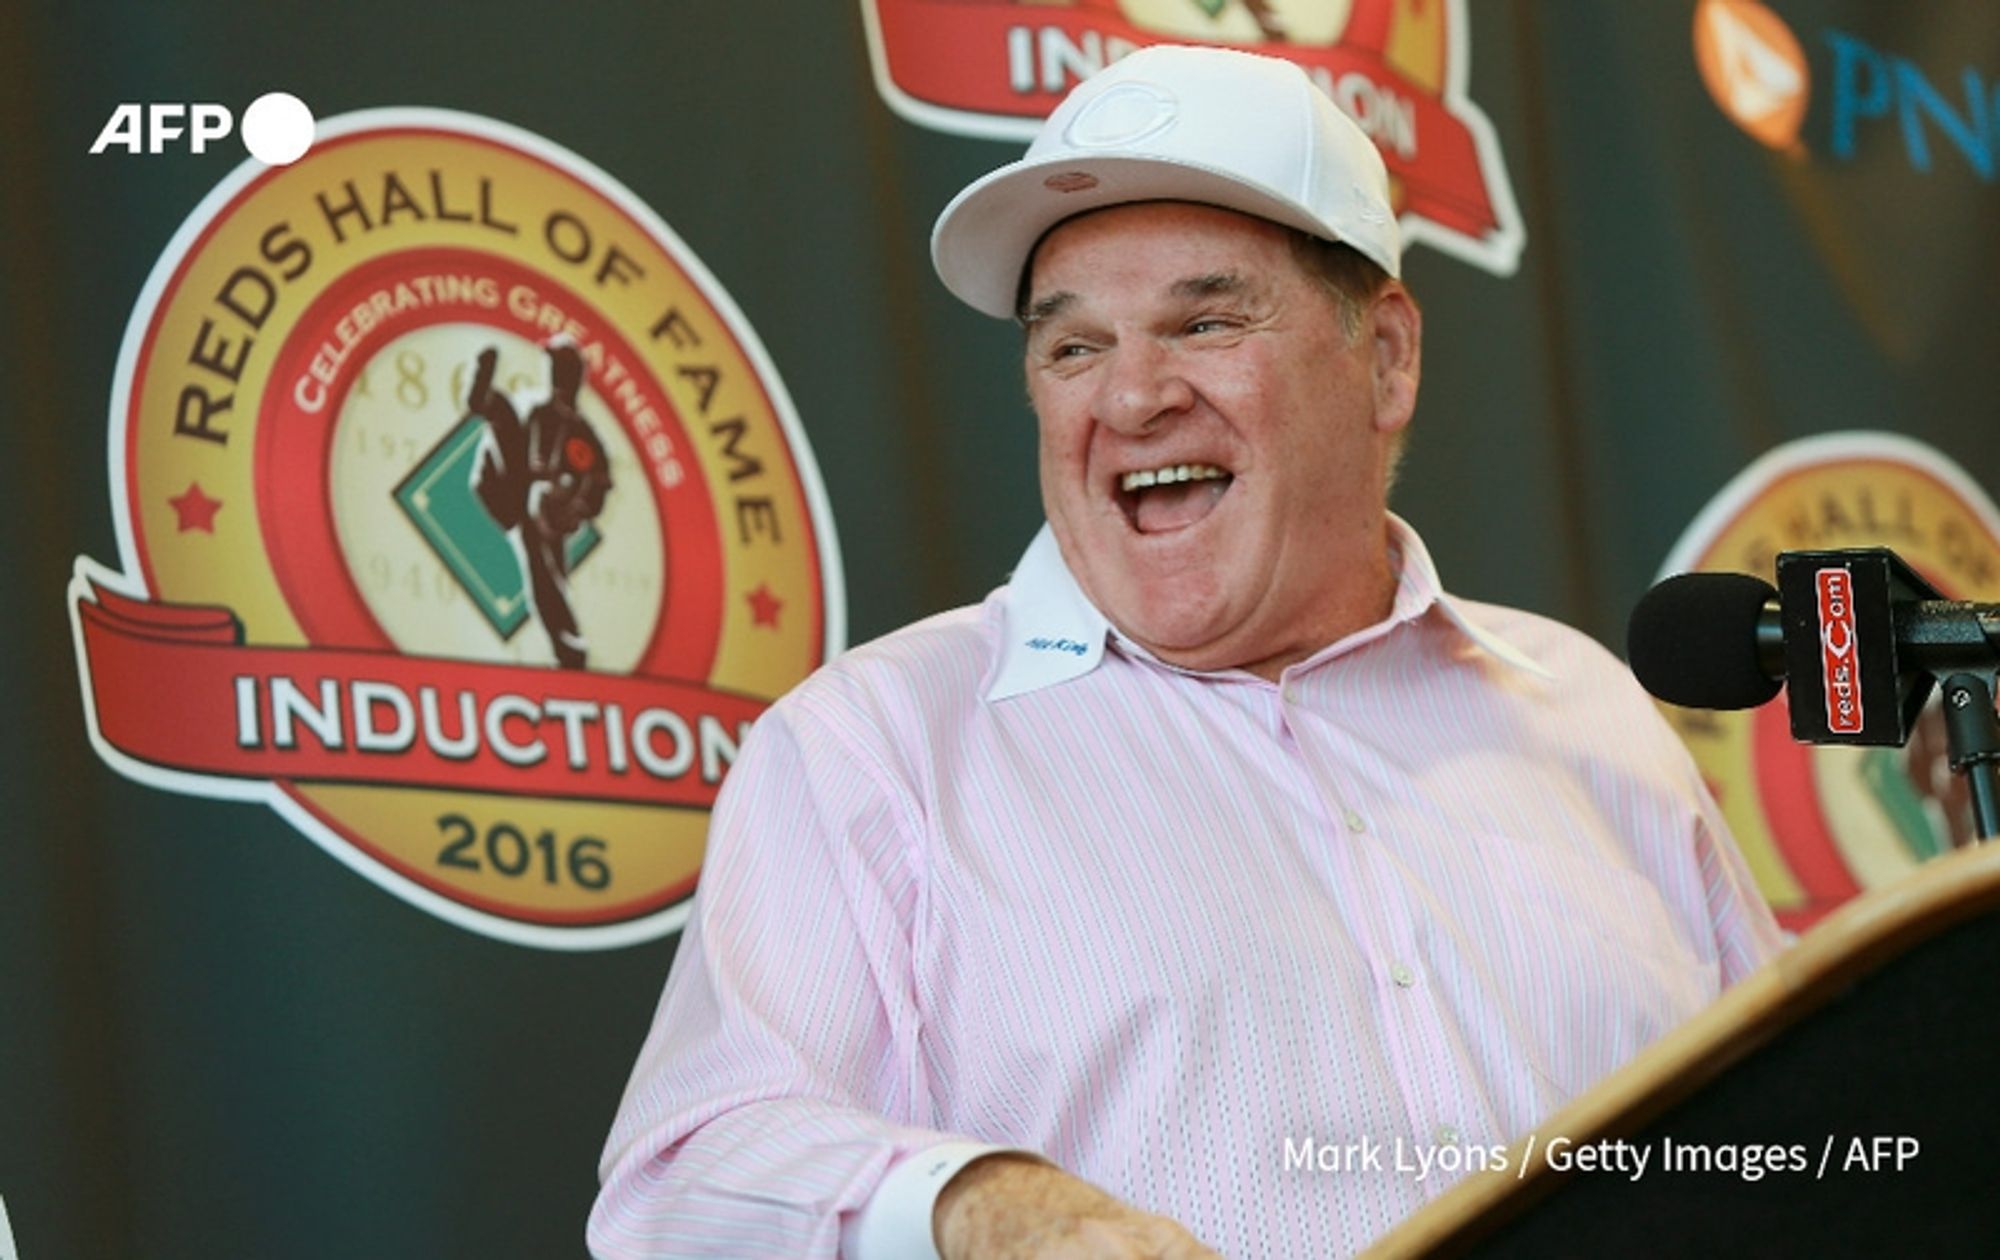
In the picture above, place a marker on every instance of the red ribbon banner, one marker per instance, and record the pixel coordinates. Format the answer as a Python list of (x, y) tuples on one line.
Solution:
[(174, 686)]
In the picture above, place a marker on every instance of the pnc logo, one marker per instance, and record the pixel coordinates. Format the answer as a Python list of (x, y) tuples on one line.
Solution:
[(277, 128), (1757, 72), (1754, 68)]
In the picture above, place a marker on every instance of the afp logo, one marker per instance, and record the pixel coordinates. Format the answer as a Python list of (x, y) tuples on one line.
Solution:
[(277, 128)]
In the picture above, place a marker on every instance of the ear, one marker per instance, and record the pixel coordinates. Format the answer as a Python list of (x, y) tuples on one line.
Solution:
[(1396, 332)]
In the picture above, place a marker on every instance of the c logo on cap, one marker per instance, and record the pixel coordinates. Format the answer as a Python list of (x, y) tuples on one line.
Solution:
[(1124, 114)]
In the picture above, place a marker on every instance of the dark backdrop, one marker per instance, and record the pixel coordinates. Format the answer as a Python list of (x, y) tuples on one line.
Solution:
[(216, 1041)]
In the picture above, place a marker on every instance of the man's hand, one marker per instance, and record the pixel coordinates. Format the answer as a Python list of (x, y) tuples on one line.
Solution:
[(1010, 1207)]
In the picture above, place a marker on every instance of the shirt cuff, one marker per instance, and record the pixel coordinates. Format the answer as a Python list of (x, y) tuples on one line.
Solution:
[(896, 1223)]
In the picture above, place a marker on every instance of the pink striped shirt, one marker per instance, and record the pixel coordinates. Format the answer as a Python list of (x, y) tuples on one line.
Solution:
[(1202, 939)]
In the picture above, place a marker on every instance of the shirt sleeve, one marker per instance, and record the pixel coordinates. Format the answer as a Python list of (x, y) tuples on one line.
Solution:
[(1746, 934), (896, 1224), (781, 1080)]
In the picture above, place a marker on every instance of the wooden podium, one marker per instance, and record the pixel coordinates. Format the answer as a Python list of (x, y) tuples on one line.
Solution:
[(1869, 1052)]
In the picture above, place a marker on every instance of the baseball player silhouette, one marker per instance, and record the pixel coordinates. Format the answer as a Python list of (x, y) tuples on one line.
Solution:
[(540, 480)]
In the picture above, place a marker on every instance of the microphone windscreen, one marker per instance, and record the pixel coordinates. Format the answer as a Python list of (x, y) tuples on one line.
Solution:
[(1692, 641)]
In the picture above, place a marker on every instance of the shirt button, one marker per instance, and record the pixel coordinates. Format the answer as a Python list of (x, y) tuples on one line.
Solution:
[(1446, 1135), (1356, 822), (1402, 975)]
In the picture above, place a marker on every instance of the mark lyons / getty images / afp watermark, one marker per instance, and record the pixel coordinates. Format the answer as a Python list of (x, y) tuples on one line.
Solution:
[(1751, 1161)]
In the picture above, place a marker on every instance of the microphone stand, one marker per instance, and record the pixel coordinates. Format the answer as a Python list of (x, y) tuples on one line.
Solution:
[(1972, 742), (1961, 644)]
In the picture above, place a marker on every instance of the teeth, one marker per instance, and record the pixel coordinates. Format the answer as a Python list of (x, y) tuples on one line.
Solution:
[(1169, 475)]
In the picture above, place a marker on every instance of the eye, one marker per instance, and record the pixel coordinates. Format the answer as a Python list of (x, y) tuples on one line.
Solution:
[(1205, 324), (1069, 351)]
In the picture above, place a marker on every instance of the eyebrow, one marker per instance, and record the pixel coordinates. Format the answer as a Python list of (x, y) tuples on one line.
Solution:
[(1046, 308), (1214, 284)]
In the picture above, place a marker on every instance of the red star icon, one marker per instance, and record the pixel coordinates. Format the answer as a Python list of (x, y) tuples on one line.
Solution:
[(764, 606), (195, 509)]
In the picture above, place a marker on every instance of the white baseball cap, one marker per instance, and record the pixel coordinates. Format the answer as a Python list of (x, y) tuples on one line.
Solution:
[(1173, 123)]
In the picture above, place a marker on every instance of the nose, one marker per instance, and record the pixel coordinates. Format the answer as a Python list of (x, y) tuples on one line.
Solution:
[(1141, 386)]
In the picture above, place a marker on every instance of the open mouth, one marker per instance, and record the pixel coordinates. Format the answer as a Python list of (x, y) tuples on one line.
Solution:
[(1175, 496)]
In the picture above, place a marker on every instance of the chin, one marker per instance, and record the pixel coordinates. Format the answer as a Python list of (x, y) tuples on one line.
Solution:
[(1175, 631)]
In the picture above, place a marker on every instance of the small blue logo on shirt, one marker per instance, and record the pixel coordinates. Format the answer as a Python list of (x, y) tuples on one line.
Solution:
[(1058, 645)]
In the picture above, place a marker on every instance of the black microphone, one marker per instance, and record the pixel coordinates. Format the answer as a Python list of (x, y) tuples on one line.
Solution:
[(1708, 641), (1859, 637)]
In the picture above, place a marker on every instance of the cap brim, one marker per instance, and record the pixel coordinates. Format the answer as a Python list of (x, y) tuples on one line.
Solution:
[(983, 239)]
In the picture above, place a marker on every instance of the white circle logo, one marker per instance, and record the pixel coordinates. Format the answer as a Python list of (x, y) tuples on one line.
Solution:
[(277, 129), (1121, 115)]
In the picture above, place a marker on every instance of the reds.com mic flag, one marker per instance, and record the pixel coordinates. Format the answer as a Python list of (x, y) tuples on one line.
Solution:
[(1844, 678), (1839, 650)]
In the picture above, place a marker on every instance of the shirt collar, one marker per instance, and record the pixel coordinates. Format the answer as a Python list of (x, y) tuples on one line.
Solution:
[(1418, 588), (1050, 632)]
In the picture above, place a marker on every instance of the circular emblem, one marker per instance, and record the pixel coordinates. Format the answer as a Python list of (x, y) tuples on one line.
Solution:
[(463, 520), (1819, 824)]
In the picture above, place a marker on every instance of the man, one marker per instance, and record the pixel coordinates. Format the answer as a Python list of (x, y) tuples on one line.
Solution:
[(1062, 925)]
